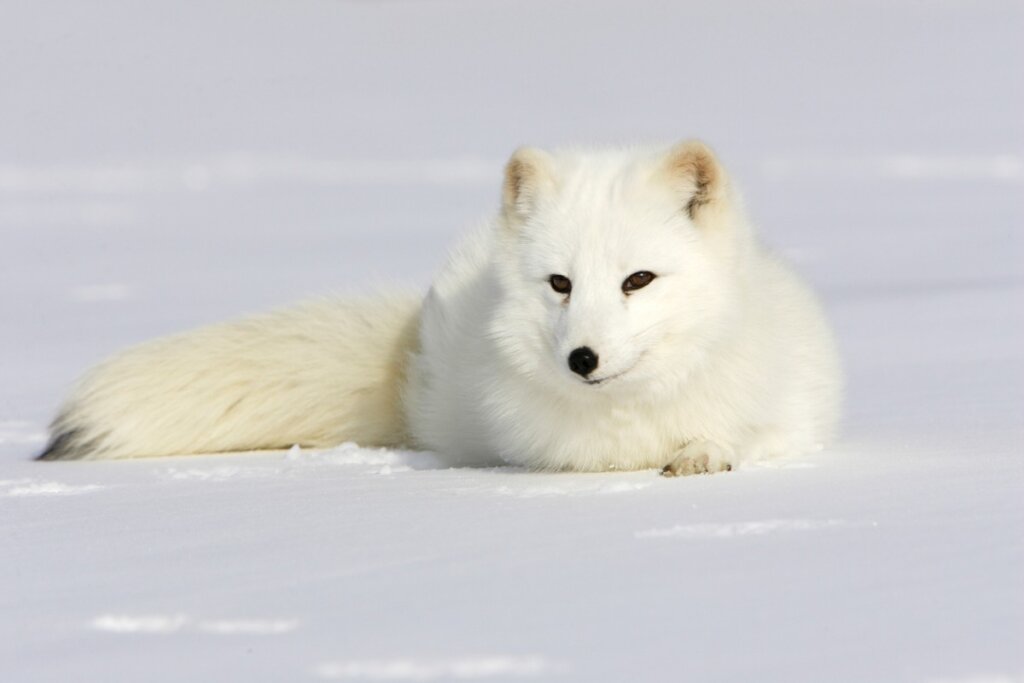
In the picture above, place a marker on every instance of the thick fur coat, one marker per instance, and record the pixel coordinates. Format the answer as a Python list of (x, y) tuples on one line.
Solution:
[(617, 313)]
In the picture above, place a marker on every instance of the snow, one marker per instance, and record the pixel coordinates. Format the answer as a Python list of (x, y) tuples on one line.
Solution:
[(165, 165)]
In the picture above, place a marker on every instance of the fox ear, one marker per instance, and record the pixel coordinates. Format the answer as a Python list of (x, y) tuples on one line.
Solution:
[(527, 174), (695, 174)]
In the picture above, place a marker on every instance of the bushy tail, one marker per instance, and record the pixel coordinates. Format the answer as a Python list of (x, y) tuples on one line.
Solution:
[(315, 375)]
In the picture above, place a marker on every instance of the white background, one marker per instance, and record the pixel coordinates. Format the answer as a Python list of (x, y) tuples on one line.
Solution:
[(168, 164)]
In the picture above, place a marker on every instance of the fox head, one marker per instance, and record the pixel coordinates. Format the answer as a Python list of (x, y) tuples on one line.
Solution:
[(617, 270)]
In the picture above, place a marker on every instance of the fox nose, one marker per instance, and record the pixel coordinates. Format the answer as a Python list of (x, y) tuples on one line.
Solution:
[(583, 361)]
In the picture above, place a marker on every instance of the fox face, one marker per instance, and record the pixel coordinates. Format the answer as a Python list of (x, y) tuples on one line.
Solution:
[(615, 274)]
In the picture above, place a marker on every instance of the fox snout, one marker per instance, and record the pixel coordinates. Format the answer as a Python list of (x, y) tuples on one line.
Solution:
[(583, 361)]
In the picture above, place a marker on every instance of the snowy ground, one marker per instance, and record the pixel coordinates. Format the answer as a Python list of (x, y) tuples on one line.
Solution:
[(166, 164)]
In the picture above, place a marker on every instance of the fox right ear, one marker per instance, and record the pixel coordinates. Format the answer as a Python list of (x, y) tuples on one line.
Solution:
[(527, 174), (695, 173)]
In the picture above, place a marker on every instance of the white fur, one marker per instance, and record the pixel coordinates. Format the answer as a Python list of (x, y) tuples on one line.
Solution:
[(317, 375), (724, 357)]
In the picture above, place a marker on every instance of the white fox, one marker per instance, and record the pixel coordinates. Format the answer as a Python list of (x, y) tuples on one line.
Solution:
[(617, 313)]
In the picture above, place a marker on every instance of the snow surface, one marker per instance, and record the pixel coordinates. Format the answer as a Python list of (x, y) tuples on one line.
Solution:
[(168, 164)]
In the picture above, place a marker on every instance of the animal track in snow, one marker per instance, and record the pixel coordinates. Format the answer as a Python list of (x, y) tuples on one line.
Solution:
[(29, 487), (172, 623), (248, 626), (152, 623), (221, 473), (574, 489), (461, 668), (735, 529), (379, 460)]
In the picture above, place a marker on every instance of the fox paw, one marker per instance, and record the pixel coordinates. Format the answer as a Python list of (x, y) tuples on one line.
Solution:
[(699, 457)]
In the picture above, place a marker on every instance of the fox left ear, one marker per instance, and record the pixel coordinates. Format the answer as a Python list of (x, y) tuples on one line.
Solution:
[(527, 174), (694, 172)]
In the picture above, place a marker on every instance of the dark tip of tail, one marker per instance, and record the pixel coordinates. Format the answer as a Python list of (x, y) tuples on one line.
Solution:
[(64, 445)]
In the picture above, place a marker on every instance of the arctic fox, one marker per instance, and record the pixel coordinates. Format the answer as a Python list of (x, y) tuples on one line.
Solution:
[(618, 313)]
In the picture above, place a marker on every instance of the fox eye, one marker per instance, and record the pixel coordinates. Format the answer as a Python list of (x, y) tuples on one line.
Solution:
[(560, 284), (637, 280)]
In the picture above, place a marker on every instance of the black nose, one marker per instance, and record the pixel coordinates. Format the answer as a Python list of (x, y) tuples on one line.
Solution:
[(583, 361)]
